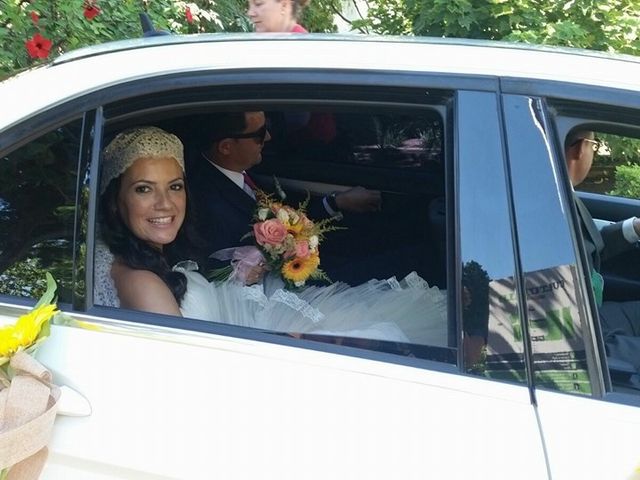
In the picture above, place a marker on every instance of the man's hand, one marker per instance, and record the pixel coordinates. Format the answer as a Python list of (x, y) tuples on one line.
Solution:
[(359, 200), (636, 225)]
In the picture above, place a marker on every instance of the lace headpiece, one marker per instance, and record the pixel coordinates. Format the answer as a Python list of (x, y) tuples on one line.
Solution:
[(130, 145)]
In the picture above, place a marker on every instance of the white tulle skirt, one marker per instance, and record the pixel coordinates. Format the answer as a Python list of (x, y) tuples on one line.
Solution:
[(407, 311)]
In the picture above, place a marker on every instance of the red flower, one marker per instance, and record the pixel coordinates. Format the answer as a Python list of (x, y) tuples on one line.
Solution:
[(189, 15), (91, 11), (38, 46), (35, 18)]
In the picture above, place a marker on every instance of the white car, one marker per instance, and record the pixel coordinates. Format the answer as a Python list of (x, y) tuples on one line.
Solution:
[(464, 140)]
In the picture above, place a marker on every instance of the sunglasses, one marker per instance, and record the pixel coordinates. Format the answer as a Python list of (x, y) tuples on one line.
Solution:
[(259, 134)]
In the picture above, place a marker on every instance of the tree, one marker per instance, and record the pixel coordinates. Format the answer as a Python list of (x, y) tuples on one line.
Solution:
[(34, 31), (609, 26)]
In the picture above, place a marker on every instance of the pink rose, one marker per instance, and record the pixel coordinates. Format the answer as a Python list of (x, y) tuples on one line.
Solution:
[(269, 232), (302, 249)]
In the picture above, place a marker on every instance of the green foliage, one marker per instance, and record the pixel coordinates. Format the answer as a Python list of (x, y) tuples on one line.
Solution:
[(24, 279), (318, 17), (392, 17), (64, 23), (614, 167), (627, 181), (618, 150), (613, 25)]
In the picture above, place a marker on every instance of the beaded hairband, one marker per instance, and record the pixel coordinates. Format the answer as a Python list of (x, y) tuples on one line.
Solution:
[(135, 143)]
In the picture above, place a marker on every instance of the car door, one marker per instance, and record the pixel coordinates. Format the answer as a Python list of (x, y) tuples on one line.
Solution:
[(179, 398), (588, 432)]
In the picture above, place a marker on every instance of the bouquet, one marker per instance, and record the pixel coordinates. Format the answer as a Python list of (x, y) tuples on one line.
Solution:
[(287, 243), (28, 399)]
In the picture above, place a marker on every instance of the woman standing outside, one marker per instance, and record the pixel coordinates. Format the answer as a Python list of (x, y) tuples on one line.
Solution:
[(269, 16)]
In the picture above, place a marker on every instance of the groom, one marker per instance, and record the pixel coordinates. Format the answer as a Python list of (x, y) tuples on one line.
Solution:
[(222, 191)]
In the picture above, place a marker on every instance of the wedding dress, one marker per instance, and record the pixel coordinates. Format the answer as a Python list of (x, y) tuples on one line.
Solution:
[(407, 311)]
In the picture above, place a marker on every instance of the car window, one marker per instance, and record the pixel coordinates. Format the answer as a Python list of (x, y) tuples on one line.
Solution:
[(465, 296), (386, 266), (37, 209), (616, 166)]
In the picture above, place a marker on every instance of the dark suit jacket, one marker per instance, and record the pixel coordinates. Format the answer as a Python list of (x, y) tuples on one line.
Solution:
[(223, 212), (602, 244)]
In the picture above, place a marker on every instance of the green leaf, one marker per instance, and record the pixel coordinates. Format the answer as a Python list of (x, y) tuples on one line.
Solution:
[(49, 294)]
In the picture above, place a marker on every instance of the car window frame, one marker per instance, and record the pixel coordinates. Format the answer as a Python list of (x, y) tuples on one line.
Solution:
[(197, 326)]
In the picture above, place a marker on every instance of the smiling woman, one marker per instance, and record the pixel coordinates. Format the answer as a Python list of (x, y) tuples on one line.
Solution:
[(143, 208), (152, 200)]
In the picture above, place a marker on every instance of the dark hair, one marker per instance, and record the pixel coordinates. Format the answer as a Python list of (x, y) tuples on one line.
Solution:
[(136, 253), (214, 127), (575, 136)]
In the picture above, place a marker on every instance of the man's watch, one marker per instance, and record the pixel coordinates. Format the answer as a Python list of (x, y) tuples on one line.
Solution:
[(331, 201)]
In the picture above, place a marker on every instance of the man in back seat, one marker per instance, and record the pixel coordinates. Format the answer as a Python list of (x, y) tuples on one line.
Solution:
[(222, 191)]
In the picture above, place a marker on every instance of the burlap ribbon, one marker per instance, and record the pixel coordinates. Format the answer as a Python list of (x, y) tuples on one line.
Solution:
[(27, 411)]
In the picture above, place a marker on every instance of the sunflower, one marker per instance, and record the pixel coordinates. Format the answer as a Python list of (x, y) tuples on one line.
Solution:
[(25, 331), (295, 228), (299, 269)]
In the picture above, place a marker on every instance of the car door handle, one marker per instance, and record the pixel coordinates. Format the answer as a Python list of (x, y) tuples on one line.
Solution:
[(72, 403)]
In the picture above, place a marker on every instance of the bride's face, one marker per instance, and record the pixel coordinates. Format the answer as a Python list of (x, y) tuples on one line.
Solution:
[(152, 199)]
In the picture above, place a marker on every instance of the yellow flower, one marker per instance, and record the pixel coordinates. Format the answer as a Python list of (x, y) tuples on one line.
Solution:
[(294, 229), (299, 269), (9, 342), (25, 331)]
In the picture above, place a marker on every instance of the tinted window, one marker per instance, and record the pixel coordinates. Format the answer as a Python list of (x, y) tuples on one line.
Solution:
[(397, 152), (492, 341), (391, 140), (555, 308), (616, 166), (37, 207)]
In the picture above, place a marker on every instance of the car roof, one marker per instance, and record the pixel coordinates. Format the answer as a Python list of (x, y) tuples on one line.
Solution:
[(89, 69)]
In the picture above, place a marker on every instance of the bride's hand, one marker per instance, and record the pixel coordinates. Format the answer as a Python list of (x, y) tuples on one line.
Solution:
[(255, 274)]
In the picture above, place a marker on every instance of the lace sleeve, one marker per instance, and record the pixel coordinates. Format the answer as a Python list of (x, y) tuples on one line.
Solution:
[(104, 290)]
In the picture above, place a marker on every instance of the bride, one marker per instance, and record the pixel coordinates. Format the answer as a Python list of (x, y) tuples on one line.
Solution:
[(143, 223)]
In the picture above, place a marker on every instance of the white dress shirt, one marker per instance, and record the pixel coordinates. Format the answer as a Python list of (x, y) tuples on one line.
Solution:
[(235, 177)]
